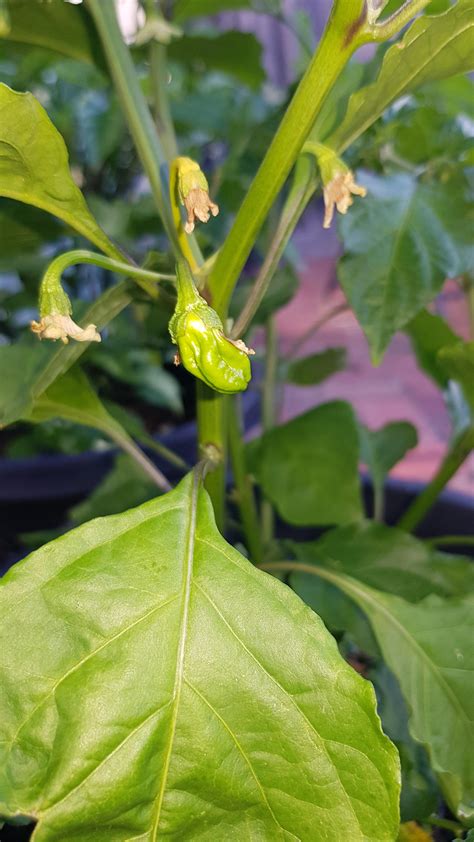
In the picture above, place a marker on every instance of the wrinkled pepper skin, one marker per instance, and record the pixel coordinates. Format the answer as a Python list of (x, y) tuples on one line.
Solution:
[(204, 350)]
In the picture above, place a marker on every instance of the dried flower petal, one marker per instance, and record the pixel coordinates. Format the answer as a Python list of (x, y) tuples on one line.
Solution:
[(198, 206), (338, 194), (56, 326)]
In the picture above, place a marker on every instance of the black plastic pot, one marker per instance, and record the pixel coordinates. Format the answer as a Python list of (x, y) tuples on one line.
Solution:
[(36, 493)]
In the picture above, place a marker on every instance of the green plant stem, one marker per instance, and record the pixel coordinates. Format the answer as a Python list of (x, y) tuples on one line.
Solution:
[(143, 277), (389, 27), (211, 419), (128, 446), (303, 188), (268, 416), (344, 33), (133, 102), (245, 493), (446, 824), (456, 456), (447, 540), (161, 108)]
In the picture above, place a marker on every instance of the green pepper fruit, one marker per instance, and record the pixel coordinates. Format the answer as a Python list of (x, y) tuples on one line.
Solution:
[(204, 350)]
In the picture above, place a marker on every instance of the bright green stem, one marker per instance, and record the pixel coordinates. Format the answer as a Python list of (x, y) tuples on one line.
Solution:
[(245, 493), (450, 540), (303, 188), (146, 279), (211, 418), (268, 415), (456, 456), (344, 33), (392, 25), (134, 105)]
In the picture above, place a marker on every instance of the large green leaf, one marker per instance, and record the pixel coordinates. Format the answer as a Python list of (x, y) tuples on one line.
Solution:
[(308, 467), (28, 369), (56, 25), (156, 685), (432, 49), (237, 53), (401, 243), (428, 647), (34, 166), (391, 560)]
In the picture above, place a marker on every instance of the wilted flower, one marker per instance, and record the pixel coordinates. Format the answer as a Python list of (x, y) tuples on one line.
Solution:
[(57, 326), (338, 193), (193, 192), (55, 314), (338, 181)]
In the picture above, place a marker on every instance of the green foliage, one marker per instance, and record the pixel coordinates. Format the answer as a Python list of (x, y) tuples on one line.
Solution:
[(281, 744), (124, 486), (433, 48), (390, 560), (236, 53), (308, 466), (34, 166), (433, 669), (382, 449), (458, 363), (30, 369), (56, 25), (401, 243), (308, 371)]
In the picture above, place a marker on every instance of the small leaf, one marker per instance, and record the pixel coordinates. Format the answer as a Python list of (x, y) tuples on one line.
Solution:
[(308, 467), (433, 48), (237, 53), (56, 25), (308, 371), (184, 9), (458, 363), (428, 334), (151, 691), (34, 167), (382, 449), (401, 243), (428, 647)]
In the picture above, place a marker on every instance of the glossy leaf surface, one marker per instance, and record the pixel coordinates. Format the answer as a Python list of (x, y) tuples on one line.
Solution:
[(151, 692), (34, 166), (308, 466)]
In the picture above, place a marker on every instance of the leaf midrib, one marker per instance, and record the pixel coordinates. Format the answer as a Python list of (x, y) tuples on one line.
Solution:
[(181, 648)]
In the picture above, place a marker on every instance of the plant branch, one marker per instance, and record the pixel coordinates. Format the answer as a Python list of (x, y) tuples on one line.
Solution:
[(303, 188), (456, 456), (128, 446), (450, 540), (211, 419), (268, 416), (244, 488), (344, 33), (342, 307), (143, 277), (385, 29), (134, 105)]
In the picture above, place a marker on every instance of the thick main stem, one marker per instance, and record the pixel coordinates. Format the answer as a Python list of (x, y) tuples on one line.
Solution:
[(456, 456), (344, 33), (244, 488)]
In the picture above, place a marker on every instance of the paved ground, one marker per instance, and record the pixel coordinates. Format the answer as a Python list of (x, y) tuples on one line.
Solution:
[(396, 390)]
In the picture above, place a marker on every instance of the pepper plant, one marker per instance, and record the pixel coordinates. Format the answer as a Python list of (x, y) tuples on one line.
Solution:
[(165, 673)]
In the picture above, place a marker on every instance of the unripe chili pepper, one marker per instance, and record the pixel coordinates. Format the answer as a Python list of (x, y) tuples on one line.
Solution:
[(204, 349)]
